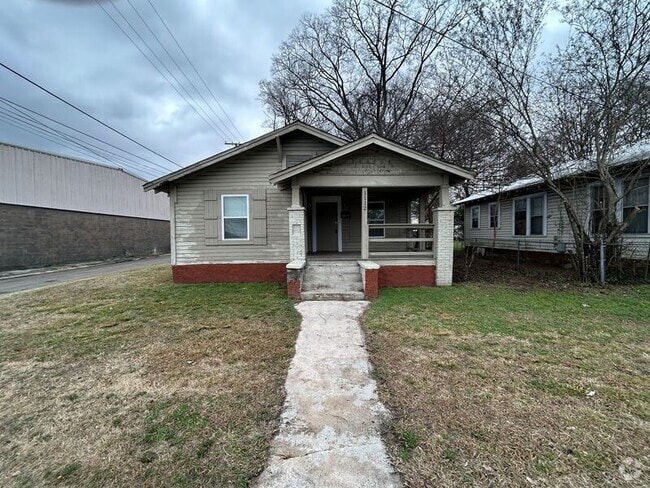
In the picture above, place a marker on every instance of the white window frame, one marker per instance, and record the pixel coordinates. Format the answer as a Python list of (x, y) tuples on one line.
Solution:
[(383, 231), (471, 217), (498, 206), (223, 218), (622, 204), (528, 198)]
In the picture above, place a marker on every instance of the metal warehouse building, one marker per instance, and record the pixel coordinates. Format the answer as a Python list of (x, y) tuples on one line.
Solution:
[(56, 210)]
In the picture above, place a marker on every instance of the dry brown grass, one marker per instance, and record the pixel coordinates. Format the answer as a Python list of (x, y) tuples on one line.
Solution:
[(488, 385), (128, 380)]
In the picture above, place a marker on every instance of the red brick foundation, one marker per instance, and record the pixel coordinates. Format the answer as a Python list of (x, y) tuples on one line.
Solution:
[(293, 289), (230, 273), (398, 276), (371, 287)]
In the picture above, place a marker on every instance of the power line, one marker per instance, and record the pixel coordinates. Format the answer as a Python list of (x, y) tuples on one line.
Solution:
[(15, 121), (478, 51), (42, 88), (194, 68), (181, 70), (8, 121), (63, 138), (163, 168), (203, 116)]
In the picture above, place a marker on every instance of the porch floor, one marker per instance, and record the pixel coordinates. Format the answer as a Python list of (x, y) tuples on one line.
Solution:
[(334, 256)]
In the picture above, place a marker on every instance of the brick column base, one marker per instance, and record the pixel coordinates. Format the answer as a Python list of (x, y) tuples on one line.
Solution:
[(371, 283)]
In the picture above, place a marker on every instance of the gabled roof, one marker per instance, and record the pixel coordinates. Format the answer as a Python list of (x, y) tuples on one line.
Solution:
[(627, 155), (222, 156), (370, 140)]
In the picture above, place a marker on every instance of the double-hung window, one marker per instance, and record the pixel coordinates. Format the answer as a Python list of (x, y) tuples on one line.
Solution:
[(597, 207), (530, 215), (493, 215), (636, 196), (476, 217), (376, 215), (235, 221)]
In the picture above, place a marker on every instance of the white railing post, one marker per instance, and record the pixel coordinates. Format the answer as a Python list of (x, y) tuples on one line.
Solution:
[(365, 232)]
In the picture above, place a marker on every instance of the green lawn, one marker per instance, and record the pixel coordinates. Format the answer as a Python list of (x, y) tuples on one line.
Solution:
[(129, 380), (490, 384)]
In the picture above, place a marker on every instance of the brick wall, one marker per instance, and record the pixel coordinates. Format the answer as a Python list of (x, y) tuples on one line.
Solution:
[(32, 236)]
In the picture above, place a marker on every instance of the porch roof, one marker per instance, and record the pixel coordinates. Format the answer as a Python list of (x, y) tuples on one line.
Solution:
[(456, 173)]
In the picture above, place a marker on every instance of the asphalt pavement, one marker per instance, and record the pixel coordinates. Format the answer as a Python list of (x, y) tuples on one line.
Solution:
[(39, 278)]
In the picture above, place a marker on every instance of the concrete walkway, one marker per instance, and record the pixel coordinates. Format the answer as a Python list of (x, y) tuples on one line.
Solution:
[(330, 432)]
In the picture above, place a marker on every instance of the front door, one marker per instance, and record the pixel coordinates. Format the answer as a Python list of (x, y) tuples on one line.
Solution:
[(327, 226)]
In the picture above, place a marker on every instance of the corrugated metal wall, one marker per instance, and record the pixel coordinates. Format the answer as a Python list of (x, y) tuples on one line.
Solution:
[(38, 179)]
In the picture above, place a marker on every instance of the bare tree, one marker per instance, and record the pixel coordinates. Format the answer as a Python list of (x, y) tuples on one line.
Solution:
[(584, 103), (362, 67)]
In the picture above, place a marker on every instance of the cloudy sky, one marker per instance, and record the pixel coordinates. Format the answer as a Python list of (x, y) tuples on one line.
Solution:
[(74, 49)]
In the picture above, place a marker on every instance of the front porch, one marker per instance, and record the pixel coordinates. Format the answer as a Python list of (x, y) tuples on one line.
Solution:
[(376, 201), (389, 234)]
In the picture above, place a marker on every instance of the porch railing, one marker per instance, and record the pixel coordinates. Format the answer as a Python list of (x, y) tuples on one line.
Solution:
[(423, 243)]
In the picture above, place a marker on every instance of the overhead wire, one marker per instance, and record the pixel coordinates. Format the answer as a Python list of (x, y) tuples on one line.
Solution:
[(478, 51), (106, 155), (194, 68), (178, 86), (71, 105), (29, 119), (223, 125), (39, 114)]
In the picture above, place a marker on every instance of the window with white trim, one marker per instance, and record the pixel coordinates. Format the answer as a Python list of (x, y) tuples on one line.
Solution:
[(235, 220), (494, 219), (636, 203), (475, 213), (376, 215), (529, 215)]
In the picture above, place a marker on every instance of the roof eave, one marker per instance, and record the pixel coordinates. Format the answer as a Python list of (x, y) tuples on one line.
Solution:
[(215, 158)]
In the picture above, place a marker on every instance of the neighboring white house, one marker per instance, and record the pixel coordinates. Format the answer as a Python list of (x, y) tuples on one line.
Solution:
[(55, 210), (526, 215)]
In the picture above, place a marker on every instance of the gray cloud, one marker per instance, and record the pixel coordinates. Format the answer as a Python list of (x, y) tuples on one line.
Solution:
[(72, 48)]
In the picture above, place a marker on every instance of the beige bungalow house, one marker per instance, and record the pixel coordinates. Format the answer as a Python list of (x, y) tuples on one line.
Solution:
[(332, 219)]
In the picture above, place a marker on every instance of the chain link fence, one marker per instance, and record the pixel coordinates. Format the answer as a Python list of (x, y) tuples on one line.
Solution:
[(625, 262)]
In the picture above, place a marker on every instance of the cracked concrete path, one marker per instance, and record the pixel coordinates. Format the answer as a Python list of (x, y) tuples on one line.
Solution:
[(330, 432)]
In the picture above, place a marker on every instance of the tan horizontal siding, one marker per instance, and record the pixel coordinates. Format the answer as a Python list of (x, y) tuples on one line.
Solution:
[(248, 171)]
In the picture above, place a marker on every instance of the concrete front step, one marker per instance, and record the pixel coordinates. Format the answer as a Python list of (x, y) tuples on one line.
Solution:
[(332, 280), (334, 287), (332, 295)]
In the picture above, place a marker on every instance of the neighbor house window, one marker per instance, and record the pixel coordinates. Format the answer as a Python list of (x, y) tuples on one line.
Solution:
[(636, 196), (597, 207), (376, 215), (235, 217), (529, 215), (476, 217), (493, 215)]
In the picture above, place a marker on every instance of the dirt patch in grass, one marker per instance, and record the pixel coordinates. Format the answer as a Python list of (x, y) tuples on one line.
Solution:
[(129, 380), (492, 386)]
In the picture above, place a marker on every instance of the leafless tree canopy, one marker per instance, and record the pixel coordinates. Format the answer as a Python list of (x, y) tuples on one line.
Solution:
[(465, 81), (361, 67)]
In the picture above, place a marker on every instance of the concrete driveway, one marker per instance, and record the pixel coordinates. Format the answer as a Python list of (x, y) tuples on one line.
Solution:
[(12, 282)]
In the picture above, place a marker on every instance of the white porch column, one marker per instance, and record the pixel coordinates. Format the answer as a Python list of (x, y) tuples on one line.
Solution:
[(297, 235), (443, 245), (364, 223)]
